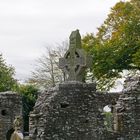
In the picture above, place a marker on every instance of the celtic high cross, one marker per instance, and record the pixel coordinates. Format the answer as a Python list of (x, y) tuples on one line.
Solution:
[(75, 60)]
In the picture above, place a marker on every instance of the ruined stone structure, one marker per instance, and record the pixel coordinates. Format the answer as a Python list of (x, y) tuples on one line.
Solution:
[(74, 110), (128, 110), (10, 106)]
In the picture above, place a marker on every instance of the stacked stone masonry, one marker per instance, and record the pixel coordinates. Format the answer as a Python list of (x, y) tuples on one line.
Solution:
[(10, 106), (74, 111)]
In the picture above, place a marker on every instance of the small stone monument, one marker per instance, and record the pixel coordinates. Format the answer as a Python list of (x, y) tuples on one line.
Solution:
[(17, 124), (75, 60)]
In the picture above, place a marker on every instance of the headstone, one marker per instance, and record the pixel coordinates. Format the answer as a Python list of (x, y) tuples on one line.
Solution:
[(17, 124), (75, 60)]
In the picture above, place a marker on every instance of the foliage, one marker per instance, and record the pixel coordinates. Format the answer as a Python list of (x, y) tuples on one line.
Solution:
[(29, 95), (116, 46), (7, 82), (47, 72), (108, 120)]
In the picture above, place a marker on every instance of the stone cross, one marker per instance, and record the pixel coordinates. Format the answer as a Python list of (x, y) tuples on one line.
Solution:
[(75, 60)]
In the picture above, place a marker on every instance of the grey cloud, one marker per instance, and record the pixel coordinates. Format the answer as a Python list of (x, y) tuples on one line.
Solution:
[(26, 26)]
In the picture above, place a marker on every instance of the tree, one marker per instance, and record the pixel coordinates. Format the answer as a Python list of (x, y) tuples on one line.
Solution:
[(7, 82), (116, 46), (29, 95), (47, 72)]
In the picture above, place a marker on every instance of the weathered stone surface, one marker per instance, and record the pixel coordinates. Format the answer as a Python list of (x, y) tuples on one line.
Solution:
[(75, 60), (132, 85), (74, 111), (71, 111), (10, 106), (128, 109)]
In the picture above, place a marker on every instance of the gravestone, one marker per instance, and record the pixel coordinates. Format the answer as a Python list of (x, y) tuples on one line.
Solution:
[(17, 124), (75, 60)]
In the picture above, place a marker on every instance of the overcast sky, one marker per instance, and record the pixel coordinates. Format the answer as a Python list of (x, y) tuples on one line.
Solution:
[(26, 26)]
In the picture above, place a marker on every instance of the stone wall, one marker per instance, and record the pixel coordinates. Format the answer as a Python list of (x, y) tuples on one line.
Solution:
[(74, 111), (10, 106), (128, 110)]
